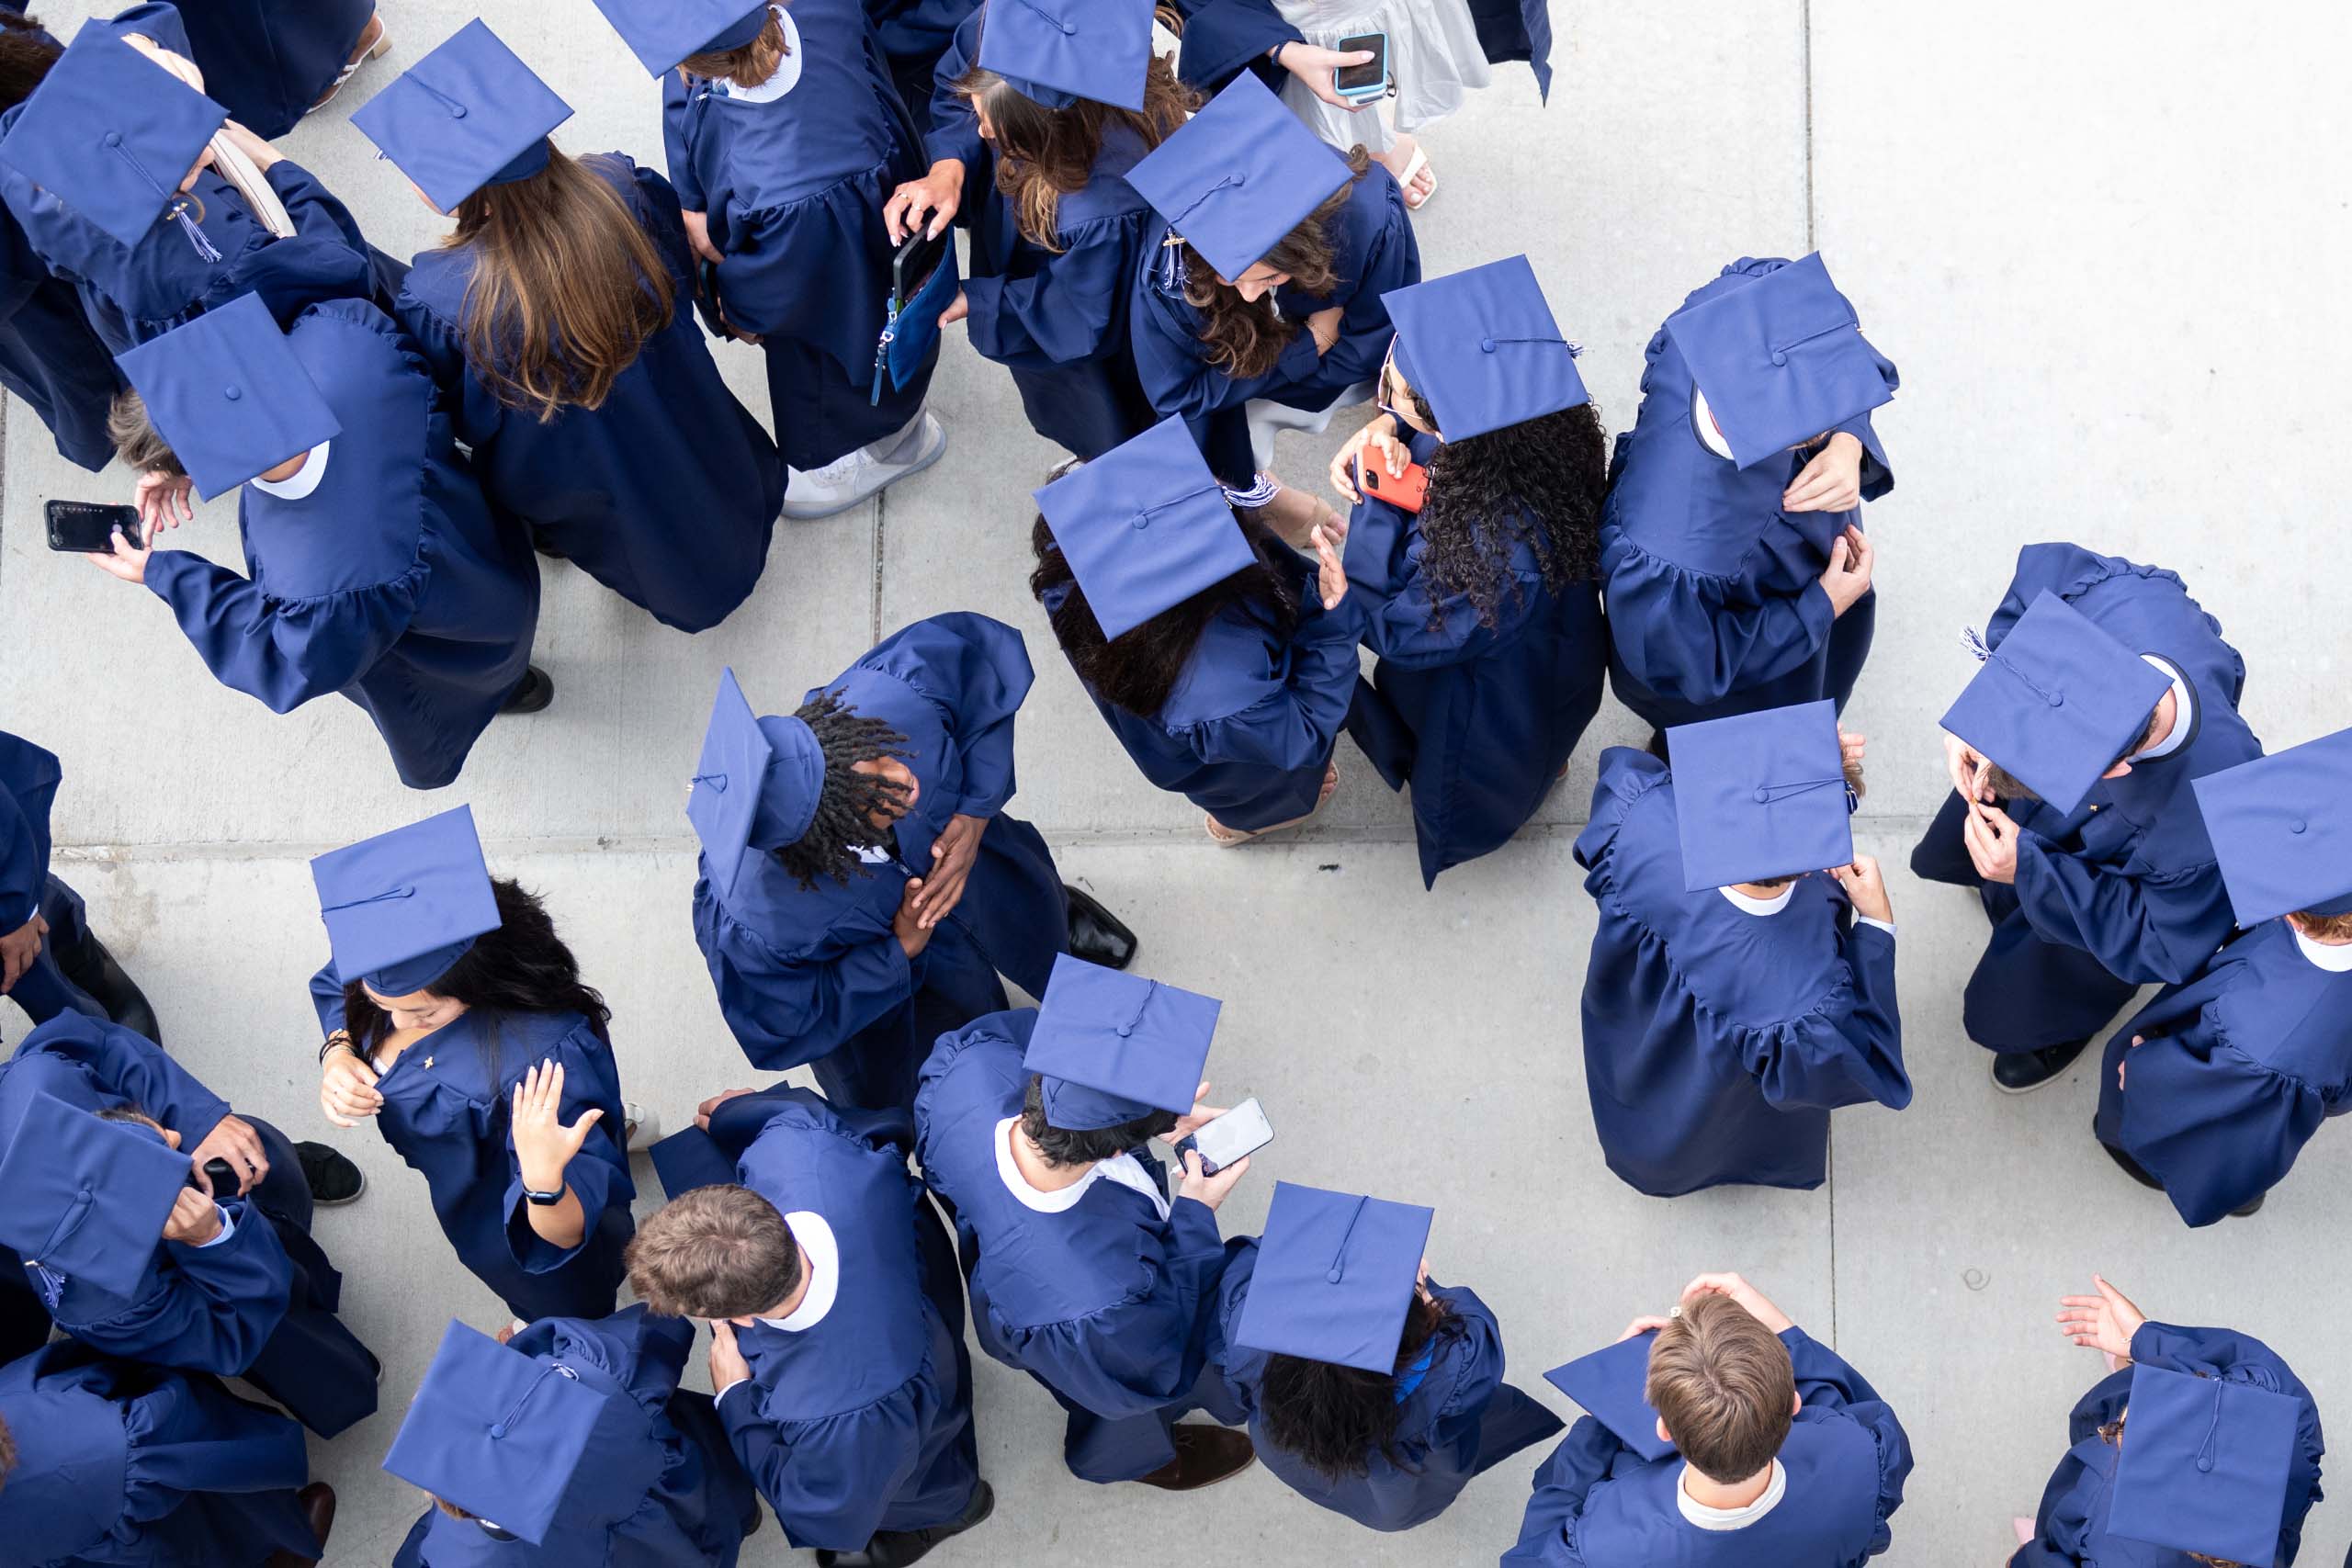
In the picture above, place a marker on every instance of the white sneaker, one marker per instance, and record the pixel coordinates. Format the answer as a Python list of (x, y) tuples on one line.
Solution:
[(642, 1127), (843, 482)]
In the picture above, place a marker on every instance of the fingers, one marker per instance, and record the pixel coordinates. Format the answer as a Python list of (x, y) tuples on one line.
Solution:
[(722, 1333), (203, 1177)]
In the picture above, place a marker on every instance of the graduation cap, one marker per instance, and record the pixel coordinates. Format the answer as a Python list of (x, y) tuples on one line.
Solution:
[(756, 783), (1483, 348), (1055, 52), (1760, 795), (1114, 1047), (1779, 360), (664, 33), (1611, 1384), (229, 394), (2203, 1466), (496, 1432), (1335, 1277), (84, 1198), (691, 1158), (111, 134), (402, 906), (469, 114), (1239, 176), (2279, 829), (1144, 527), (2057, 703)]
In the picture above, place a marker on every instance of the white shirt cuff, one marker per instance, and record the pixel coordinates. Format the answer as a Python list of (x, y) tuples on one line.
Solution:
[(730, 1388), (1886, 926), (227, 1229)]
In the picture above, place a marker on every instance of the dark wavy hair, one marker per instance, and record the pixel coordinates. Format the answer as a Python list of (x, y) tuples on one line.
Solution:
[(1064, 1147), (1541, 481), (1245, 337), (1336, 1418), (25, 58), (1137, 669), (849, 800)]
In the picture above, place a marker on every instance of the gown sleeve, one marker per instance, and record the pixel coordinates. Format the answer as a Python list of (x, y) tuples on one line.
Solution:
[(326, 999), (283, 652), (212, 1312), (1849, 1053), (1296, 725), (1063, 312), (29, 780), (2161, 926), (954, 126), (1878, 474), (830, 1480), (1686, 638), (597, 1175), (1481, 1350), (789, 1009), (1825, 1380), (1224, 37), (126, 1063), (678, 112), (976, 670), (316, 211), (1551, 1535)]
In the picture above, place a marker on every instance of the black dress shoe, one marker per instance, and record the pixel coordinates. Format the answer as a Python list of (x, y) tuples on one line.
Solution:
[(1096, 934), (317, 1501), (535, 692), (1204, 1456), (2131, 1167), (93, 969), (2251, 1209), (333, 1180), (895, 1549), (2015, 1072)]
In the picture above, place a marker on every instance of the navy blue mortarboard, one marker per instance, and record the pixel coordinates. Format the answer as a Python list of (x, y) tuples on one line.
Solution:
[(469, 114), (690, 1158), (756, 783), (664, 33), (2058, 703), (229, 394), (1335, 1275), (1114, 1047), (2203, 1466), (1613, 1385), (1145, 526), (1482, 347), (84, 1198), (2281, 829), (1780, 360), (402, 906), (1760, 795), (1055, 52), (496, 1432), (1239, 176), (111, 134)]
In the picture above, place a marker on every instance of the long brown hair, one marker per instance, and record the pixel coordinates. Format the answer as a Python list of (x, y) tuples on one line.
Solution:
[(1043, 155), (567, 286), (25, 58), (1244, 336)]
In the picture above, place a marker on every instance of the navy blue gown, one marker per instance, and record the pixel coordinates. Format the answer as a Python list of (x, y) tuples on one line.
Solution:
[(1224, 37), (668, 493), (2124, 890), (393, 582), (1478, 719), (1714, 595), (267, 60), (815, 975), (29, 780), (915, 35)]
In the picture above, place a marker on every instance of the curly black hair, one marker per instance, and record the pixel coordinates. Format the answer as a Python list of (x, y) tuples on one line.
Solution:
[(1541, 481), (1337, 1417), (850, 801)]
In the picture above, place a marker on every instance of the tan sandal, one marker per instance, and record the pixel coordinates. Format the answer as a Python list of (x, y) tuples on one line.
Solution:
[(1226, 838), (367, 51)]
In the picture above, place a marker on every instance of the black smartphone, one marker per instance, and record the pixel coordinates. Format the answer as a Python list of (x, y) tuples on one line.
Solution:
[(222, 1175), (1370, 78), (88, 528), (916, 261)]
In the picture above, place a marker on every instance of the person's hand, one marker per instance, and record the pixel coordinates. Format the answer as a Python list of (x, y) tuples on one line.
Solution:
[(543, 1144), (698, 237), (2105, 1322), (1968, 770), (1200, 1115), (1378, 442), (264, 155), (347, 1086), (128, 564), (1315, 67), (952, 855), (1209, 1189), (1642, 1325), (19, 948), (702, 1111), (1851, 747), (1847, 577), (937, 195), (163, 500), (1325, 326), (726, 325), (957, 309), (194, 1218), (1746, 1294), (1992, 840), (1831, 482), (908, 925), (2125, 1060), (726, 1363), (1866, 888), (1330, 575), (234, 1139)]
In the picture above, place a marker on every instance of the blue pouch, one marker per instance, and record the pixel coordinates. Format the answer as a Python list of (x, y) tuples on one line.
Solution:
[(912, 331)]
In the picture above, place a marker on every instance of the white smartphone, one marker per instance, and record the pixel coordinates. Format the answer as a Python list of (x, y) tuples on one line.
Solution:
[(1241, 1131)]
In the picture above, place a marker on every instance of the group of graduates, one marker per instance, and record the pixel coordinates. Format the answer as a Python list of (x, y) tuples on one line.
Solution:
[(1170, 279)]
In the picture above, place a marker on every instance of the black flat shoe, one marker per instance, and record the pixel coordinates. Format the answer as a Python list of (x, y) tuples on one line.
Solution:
[(533, 694), (896, 1549), (2251, 1209), (333, 1180), (1096, 934), (2131, 1167), (2019, 1072), (93, 970)]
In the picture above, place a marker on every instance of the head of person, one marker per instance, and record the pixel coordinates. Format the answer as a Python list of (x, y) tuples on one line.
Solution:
[(2161, 718), (139, 446), (1065, 1148), (1336, 1418), (520, 965), (1723, 1388), (749, 63), (867, 787), (1777, 362), (2112, 1433), (26, 56), (718, 1252), (132, 1116), (1241, 329), (1853, 770)]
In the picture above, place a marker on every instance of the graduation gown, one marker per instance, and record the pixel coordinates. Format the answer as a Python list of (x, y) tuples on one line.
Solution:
[(1714, 595), (29, 779), (1599, 1504), (1457, 1418), (1106, 1303), (1224, 37), (49, 356), (815, 975), (392, 582), (120, 1463), (667, 493), (1372, 251), (449, 1111), (1478, 719), (915, 35), (267, 60), (2123, 891), (656, 1488), (2070, 1526), (794, 189)]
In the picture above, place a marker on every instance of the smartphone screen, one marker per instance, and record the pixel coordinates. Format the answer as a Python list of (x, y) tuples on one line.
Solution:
[(1243, 1130), (86, 527), (1371, 75)]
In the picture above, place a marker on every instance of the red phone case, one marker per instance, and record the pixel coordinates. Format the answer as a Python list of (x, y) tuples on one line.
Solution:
[(1406, 494)]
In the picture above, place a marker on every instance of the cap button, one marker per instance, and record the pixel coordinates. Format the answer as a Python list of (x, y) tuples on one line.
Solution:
[(1779, 356), (2297, 826), (1763, 796), (1487, 345), (2204, 1466), (1332, 1275), (232, 393), (457, 111), (1126, 1030), (2057, 699), (114, 137), (499, 1430), (1142, 520)]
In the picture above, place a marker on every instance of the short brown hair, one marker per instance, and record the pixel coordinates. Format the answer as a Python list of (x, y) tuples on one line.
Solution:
[(1723, 1384), (746, 65), (136, 440), (715, 1252), (2008, 787), (2323, 927)]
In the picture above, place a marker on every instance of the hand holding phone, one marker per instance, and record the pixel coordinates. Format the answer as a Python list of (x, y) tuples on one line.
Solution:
[(1366, 82), (1409, 491), (85, 527), (1240, 1133)]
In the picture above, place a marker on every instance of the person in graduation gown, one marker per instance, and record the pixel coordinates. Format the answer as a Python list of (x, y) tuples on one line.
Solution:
[(837, 1320), (269, 62), (50, 960), (2105, 692), (2140, 1485), (861, 888), (1733, 998), (455, 1019), (1482, 605), (1371, 1391), (915, 36), (556, 321), (1086, 1272), (785, 136), (378, 570), (1733, 560), (1199, 635), (1753, 1444), (108, 1461), (136, 1251), (571, 1443), (1266, 283)]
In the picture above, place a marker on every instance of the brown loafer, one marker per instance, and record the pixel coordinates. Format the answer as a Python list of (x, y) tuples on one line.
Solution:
[(1204, 1456), (318, 1510)]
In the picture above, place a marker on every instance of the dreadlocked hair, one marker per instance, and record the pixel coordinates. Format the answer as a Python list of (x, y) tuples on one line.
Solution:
[(1244, 337), (849, 802)]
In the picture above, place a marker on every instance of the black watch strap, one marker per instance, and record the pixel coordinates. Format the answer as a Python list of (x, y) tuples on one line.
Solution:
[(545, 1200)]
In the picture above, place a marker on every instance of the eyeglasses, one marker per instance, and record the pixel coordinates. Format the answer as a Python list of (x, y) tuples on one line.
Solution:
[(1381, 393)]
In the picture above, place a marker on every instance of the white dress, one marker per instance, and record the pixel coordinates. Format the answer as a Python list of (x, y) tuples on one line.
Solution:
[(1433, 57)]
